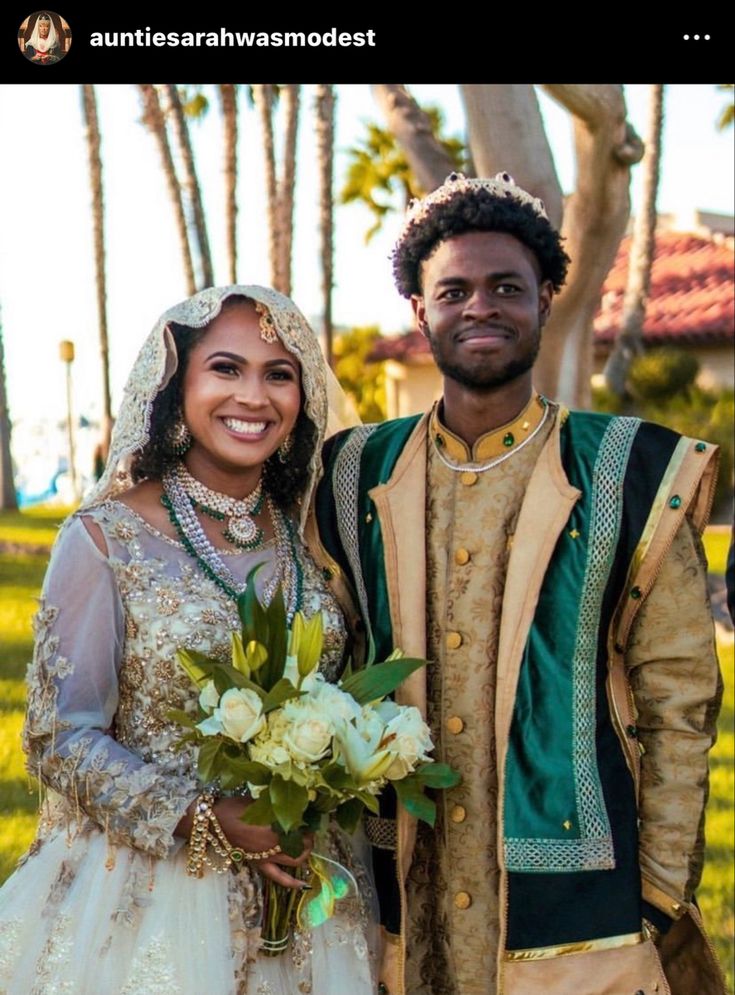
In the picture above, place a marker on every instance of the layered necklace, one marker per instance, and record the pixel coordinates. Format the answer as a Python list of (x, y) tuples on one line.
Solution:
[(184, 495)]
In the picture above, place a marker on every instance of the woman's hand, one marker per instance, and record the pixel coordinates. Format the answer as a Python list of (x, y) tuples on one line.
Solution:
[(253, 839)]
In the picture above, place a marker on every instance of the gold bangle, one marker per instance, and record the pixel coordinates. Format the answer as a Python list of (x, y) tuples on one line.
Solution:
[(261, 854)]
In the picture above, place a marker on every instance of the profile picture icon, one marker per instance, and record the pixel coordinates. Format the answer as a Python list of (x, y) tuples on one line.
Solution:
[(44, 37)]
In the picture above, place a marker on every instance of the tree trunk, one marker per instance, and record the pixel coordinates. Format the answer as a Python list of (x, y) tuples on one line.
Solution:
[(594, 223), (429, 161), (89, 105), (8, 499), (154, 120), (286, 186), (181, 130), (228, 97), (629, 341), (263, 96), (506, 134), (325, 150)]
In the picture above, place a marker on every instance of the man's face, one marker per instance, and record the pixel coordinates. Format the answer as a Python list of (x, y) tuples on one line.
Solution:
[(482, 308), (43, 28)]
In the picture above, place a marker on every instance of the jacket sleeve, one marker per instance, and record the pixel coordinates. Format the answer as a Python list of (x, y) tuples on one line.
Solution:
[(72, 700), (677, 690)]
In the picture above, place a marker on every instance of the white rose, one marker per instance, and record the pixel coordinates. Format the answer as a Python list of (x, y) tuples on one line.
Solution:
[(408, 740), (333, 702), (241, 714), (309, 735), (209, 697)]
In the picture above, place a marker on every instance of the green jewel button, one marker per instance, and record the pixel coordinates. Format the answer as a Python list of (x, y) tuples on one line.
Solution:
[(635, 593), (700, 447), (508, 439), (440, 440), (675, 501)]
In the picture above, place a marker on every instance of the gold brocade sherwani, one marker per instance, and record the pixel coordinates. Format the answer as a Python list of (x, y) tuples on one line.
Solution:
[(463, 557), (453, 884)]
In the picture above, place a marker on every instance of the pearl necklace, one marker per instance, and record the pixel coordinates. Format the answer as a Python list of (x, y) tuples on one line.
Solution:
[(483, 467), (241, 530), (287, 573)]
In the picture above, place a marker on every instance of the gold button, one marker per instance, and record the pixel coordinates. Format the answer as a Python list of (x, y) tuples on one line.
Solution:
[(454, 640), (468, 478), (458, 813), (461, 556), (455, 724), (462, 900)]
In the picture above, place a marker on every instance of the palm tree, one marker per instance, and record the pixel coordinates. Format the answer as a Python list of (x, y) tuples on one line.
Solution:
[(154, 120), (629, 340), (8, 499), (228, 98), (264, 96), (181, 131), (325, 100), (286, 187), (89, 108)]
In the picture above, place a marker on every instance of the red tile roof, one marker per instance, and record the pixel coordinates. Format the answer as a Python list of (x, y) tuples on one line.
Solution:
[(691, 301)]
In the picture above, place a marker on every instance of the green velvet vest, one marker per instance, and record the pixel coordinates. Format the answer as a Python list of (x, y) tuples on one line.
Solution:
[(570, 818)]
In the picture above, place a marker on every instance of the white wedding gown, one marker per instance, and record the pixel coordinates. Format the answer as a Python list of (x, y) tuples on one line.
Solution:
[(102, 903)]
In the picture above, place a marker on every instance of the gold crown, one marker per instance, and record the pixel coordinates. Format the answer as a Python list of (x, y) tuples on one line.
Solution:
[(458, 185)]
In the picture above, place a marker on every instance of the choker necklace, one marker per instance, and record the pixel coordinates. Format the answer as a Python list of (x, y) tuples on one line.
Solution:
[(287, 573), (241, 531), (482, 467)]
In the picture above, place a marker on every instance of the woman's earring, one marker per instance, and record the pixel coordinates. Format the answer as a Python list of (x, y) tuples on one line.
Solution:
[(179, 437), (285, 449)]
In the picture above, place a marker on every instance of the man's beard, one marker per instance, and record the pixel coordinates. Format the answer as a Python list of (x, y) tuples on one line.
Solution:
[(485, 380)]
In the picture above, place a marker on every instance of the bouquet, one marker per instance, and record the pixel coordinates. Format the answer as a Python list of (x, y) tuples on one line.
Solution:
[(305, 749)]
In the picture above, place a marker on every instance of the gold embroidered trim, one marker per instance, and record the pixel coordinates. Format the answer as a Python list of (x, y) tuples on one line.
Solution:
[(490, 444), (658, 506), (583, 946)]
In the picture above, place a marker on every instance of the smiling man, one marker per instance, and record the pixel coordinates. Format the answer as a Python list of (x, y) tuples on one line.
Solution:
[(548, 565)]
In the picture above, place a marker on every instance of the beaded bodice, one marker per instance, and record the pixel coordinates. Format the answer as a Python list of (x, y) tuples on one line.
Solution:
[(105, 672)]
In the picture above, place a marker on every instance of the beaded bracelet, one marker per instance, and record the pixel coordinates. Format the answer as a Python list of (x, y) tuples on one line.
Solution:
[(206, 831)]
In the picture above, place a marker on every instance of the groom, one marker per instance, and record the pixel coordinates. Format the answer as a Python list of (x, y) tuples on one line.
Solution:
[(548, 564)]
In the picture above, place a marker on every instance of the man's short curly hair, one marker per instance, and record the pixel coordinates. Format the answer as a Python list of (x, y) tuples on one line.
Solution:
[(477, 210)]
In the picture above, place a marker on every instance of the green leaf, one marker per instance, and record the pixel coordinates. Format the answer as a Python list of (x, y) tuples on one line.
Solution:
[(181, 718), (380, 679), (436, 775), (249, 770), (197, 665), (349, 814), (279, 693), (369, 801), (336, 776), (207, 758), (235, 679), (291, 843), (276, 642), (310, 647), (413, 799), (289, 801), (251, 611), (260, 813)]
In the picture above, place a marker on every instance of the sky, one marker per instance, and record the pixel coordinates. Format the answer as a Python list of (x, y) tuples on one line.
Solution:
[(47, 285)]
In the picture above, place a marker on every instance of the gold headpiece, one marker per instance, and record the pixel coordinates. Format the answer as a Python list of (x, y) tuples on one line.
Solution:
[(458, 185)]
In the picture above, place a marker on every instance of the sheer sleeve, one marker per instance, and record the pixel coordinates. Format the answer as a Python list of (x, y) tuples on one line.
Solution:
[(72, 701)]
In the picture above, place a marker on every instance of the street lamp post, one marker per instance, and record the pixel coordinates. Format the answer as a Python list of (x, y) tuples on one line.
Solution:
[(66, 354)]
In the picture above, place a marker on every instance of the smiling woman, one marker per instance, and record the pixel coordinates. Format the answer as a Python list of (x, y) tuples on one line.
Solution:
[(215, 453)]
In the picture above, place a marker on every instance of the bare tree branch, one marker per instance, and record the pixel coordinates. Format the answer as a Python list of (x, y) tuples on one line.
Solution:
[(410, 125)]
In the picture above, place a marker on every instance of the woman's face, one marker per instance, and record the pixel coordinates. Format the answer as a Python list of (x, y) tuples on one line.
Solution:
[(242, 395)]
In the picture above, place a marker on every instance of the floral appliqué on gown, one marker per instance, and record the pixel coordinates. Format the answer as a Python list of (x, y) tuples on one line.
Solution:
[(102, 902)]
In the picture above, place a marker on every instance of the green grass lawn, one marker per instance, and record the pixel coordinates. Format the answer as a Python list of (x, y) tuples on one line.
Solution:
[(20, 580)]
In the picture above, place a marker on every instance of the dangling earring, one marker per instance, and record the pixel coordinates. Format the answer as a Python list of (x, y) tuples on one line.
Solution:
[(179, 437), (285, 449)]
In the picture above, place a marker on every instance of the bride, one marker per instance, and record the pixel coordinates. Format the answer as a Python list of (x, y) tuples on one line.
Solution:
[(213, 461)]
